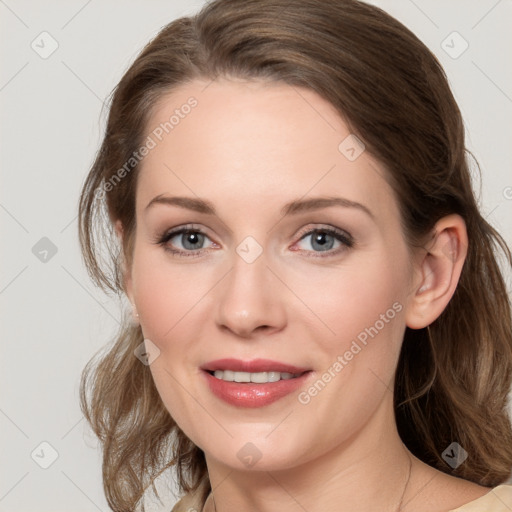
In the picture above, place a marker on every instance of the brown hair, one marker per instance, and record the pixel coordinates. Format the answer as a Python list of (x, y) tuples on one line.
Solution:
[(453, 377)]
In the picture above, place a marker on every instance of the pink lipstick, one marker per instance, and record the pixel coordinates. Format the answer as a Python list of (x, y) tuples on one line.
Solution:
[(254, 383)]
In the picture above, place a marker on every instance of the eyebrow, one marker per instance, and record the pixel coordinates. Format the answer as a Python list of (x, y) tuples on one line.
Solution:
[(291, 208)]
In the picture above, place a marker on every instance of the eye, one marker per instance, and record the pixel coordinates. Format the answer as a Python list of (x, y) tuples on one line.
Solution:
[(324, 239), (186, 241)]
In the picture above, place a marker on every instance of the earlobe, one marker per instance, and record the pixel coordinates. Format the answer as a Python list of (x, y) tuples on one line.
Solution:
[(127, 284), (118, 227), (135, 316), (439, 270)]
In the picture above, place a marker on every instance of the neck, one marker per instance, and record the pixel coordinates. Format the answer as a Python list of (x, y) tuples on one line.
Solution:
[(367, 472)]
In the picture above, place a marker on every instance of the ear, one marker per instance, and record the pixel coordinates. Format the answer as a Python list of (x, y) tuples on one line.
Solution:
[(437, 271), (127, 281)]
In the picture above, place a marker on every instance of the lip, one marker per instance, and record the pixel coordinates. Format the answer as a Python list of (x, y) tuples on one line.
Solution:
[(253, 366), (251, 394)]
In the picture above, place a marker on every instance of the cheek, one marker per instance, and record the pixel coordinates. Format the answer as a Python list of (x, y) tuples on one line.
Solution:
[(353, 297), (168, 300), (165, 292), (363, 308)]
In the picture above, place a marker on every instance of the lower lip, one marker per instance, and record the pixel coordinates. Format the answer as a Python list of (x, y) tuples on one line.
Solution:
[(250, 394)]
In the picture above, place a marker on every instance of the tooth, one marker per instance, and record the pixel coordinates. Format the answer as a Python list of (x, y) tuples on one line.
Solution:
[(228, 375), (273, 376), (260, 377), (256, 377), (242, 377)]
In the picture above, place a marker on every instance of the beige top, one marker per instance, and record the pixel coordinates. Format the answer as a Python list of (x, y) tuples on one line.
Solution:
[(498, 499)]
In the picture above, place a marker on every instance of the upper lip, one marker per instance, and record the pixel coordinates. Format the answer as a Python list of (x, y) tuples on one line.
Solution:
[(253, 366)]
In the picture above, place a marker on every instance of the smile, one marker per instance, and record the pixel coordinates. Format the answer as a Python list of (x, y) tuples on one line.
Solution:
[(257, 378), (242, 391)]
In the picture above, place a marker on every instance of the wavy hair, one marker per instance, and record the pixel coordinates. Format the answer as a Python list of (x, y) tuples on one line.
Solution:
[(453, 378)]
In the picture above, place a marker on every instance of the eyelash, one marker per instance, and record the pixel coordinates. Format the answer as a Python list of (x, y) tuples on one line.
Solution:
[(342, 236)]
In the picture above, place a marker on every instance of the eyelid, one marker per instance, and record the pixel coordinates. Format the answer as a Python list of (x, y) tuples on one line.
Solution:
[(164, 236), (344, 237), (325, 227), (171, 232)]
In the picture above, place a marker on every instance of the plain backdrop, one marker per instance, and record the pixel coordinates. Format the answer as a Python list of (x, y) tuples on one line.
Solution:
[(59, 62)]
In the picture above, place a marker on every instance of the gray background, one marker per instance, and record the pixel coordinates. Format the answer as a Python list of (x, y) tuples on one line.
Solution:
[(53, 319)]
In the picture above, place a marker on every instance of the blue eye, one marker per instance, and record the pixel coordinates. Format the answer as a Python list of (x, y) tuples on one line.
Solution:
[(192, 240), (323, 240)]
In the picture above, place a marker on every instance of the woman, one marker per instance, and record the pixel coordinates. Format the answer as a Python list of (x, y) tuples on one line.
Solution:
[(319, 318)]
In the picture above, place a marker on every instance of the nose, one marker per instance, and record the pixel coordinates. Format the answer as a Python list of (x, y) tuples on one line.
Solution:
[(250, 299)]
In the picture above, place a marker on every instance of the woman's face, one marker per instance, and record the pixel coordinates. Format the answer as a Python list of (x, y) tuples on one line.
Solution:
[(259, 279)]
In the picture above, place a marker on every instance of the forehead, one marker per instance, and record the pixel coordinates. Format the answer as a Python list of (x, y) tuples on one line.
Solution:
[(256, 143)]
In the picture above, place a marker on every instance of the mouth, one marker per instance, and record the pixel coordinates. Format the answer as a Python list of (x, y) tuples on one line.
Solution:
[(254, 366), (253, 383), (254, 377)]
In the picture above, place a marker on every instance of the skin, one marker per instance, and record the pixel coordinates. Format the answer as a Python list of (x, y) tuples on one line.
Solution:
[(249, 148)]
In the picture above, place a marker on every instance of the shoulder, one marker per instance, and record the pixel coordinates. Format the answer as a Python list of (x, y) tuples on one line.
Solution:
[(497, 499), (433, 490)]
